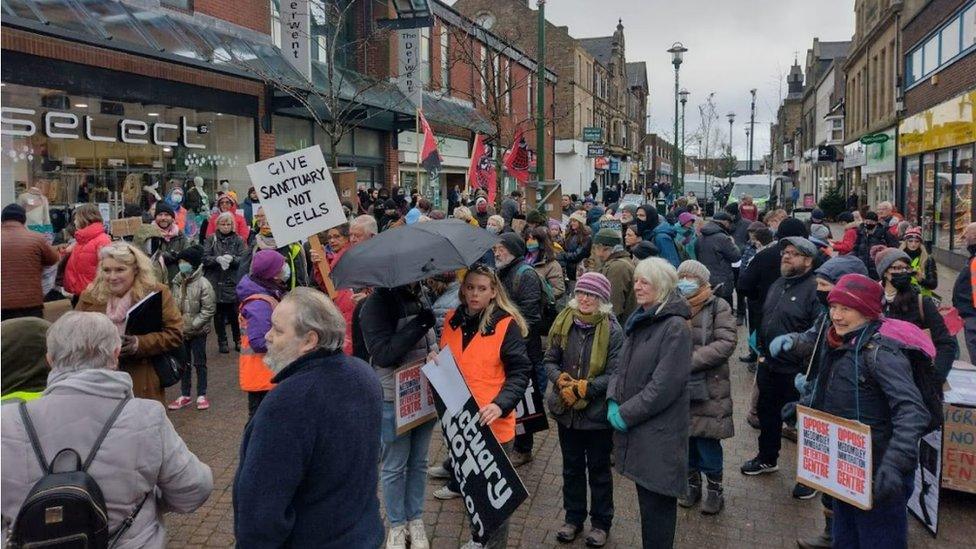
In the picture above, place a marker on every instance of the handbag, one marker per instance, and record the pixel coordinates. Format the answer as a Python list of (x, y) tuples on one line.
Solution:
[(169, 366)]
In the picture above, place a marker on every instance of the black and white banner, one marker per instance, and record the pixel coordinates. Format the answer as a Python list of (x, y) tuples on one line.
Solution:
[(530, 414)]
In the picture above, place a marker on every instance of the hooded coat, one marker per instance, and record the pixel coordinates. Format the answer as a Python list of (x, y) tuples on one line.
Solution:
[(141, 453), (24, 343), (662, 235), (241, 226), (717, 250), (619, 270)]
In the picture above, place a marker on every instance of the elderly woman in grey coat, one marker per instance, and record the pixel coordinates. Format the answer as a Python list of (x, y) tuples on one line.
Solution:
[(142, 466), (648, 399), (713, 336), (584, 342)]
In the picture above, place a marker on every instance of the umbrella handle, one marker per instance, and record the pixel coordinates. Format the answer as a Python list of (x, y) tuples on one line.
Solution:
[(323, 265)]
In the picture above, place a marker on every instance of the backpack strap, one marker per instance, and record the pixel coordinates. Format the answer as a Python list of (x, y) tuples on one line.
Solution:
[(257, 297), (921, 308), (32, 435), (105, 429)]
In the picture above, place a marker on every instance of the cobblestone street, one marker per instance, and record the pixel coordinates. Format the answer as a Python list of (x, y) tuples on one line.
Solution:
[(759, 511)]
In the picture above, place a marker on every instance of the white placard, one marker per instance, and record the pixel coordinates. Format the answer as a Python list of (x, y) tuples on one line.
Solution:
[(833, 455), (296, 37), (444, 375), (297, 194), (408, 64)]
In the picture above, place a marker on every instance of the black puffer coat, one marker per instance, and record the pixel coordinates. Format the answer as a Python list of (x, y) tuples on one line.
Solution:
[(224, 282), (790, 306)]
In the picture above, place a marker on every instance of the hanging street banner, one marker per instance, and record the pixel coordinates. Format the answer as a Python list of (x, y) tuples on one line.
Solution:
[(297, 194), (491, 488), (408, 65), (833, 455), (296, 36), (530, 415), (414, 399)]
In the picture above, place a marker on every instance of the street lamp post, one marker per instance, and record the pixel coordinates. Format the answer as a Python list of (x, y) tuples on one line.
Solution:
[(677, 51), (731, 117), (752, 123), (749, 141), (540, 115), (683, 94)]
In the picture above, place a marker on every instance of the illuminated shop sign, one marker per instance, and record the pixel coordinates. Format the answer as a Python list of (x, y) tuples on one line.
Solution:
[(67, 125)]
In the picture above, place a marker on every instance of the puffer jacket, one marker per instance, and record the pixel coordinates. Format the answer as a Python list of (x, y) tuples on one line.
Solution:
[(869, 239), (224, 282), (196, 299), (573, 358), (524, 287), (83, 262), (868, 373), (714, 337), (240, 224), (849, 241), (664, 235), (577, 246), (717, 250), (619, 270), (142, 452)]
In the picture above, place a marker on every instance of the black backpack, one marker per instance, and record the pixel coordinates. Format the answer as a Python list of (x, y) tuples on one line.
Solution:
[(66, 509)]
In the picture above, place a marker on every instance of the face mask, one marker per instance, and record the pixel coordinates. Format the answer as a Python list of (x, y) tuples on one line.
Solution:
[(822, 297), (901, 281), (286, 272), (687, 286), (185, 267), (532, 245), (176, 198), (493, 229)]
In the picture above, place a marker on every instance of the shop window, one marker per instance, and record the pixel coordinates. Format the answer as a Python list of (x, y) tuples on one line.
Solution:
[(963, 190), (366, 177), (928, 197), (292, 134), (325, 141), (368, 143), (943, 204)]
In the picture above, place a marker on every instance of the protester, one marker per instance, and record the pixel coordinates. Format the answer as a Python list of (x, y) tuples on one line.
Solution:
[(876, 388), (925, 273), (820, 236), (577, 244), (903, 301), (872, 233), (631, 237), (23, 344), (259, 293), (686, 235), (249, 206), (227, 203), (398, 330), (307, 473), (142, 466), (222, 256), (542, 256), (164, 244), (510, 206), (848, 242), (748, 209), (964, 291), (714, 337), (584, 344), (615, 264), (648, 400), (662, 235), (818, 218), (717, 250), (125, 276), (361, 229), (294, 255), (486, 337), (197, 301), (82, 256), (25, 255), (556, 234), (790, 306), (495, 224)]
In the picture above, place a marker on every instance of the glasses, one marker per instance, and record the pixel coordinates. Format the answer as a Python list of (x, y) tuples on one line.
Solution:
[(896, 269), (790, 255)]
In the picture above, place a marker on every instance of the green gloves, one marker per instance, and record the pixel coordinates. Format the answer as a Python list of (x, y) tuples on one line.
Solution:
[(613, 416)]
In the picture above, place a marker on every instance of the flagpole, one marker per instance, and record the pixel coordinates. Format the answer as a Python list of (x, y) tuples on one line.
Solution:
[(419, 145)]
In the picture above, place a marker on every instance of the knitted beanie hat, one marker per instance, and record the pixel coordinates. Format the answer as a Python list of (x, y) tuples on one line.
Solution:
[(914, 232), (266, 264), (694, 269), (886, 257), (514, 244), (192, 255), (859, 293), (643, 250), (594, 283)]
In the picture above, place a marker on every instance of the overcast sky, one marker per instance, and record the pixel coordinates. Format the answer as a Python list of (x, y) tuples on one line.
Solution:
[(734, 46)]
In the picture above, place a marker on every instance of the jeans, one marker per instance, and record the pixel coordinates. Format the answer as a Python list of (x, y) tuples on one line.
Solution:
[(885, 525), (705, 455), (227, 314), (659, 515), (196, 358), (533, 347), (403, 473), (775, 391), (587, 453)]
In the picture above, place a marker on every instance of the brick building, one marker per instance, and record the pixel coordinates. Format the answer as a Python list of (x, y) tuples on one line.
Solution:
[(785, 133), (817, 163), (937, 133)]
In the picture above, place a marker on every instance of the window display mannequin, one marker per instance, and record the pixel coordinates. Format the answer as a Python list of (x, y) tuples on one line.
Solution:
[(38, 210), (197, 200)]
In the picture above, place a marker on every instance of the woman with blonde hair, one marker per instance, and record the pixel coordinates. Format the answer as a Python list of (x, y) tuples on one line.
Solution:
[(486, 336), (464, 214), (124, 278)]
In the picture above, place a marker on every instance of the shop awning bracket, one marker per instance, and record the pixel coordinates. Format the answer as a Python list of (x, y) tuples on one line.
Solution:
[(35, 10)]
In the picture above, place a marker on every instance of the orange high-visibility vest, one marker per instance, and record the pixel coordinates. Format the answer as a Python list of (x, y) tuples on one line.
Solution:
[(254, 375), (482, 369)]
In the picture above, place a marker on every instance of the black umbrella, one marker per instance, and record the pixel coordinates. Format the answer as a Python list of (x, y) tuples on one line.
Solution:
[(410, 253)]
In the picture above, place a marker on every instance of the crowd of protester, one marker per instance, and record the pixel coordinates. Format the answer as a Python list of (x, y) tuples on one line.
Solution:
[(624, 316)]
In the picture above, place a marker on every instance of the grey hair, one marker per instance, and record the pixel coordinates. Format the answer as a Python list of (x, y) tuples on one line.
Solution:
[(605, 306), (367, 222), (660, 274), (228, 215), (314, 312), (83, 341)]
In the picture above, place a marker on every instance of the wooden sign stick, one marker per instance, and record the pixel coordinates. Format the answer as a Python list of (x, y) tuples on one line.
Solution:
[(323, 265)]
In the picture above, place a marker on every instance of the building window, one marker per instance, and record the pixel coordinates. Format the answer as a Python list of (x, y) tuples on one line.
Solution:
[(425, 56), (180, 4), (969, 27), (950, 42), (496, 80), (508, 86), (530, 96), (943, 199), (944, 47), (837, 129), (484, 75), (445, 60)]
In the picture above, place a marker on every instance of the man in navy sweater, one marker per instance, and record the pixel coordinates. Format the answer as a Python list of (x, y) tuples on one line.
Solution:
[(308, 473)]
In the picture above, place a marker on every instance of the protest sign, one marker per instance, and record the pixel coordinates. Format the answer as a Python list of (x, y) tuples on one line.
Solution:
[(614, 224), (414, 399), (297, 194), (491, 488), (959, 449), (127, 226), (833, 455), (924, 502), (530, 416)]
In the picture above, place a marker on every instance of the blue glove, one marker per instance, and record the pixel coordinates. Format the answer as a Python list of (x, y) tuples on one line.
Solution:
[(613, 416), (780, 344), (800, 382)]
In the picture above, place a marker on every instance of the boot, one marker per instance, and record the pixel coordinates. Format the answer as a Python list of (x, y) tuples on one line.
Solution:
[(825, 540), (714, 500), (222, 347), (693, 492)]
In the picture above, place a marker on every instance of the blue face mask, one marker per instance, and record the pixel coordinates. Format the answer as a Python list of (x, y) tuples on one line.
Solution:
[(688, 286), (286, 272), (185, 267)]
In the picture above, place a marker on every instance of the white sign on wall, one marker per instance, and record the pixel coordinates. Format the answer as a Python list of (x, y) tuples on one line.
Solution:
[(297, 194), (296, 36), (408, 64)]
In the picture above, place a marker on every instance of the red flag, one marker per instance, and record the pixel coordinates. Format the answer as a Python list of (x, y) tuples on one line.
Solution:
[(429, 156), (481, 173), (517, 158)]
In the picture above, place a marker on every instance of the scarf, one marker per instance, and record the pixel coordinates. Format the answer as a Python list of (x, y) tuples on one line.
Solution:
[(698, 300), (171, 232), (265, 242), (637, 316), (567, 318), (116, 309)]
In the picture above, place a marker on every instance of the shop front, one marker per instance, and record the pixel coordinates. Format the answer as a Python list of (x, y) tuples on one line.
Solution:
[(936, 149), (854, 161), (878, 172), (455, 161)]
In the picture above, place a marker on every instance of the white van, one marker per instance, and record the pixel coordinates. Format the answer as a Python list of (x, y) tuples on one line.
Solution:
[(756, 186)]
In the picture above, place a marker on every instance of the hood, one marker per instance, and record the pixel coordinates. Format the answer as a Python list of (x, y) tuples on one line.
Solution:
[(665, 228), (594, 215), (233, 202), (839, 266), (711, 228), (248, 287), (89, 233), (98, 382)]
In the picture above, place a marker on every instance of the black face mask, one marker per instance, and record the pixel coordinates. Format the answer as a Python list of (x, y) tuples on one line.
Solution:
[(972, 249), (901, 281), (822, 297)]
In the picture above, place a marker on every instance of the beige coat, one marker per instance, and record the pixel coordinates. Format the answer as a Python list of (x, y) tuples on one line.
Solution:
[(714, 336)]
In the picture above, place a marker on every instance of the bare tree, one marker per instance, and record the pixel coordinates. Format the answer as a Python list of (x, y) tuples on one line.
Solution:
[(707, 133)]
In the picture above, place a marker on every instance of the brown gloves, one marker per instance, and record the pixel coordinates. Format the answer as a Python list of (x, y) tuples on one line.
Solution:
[(572, 391)]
